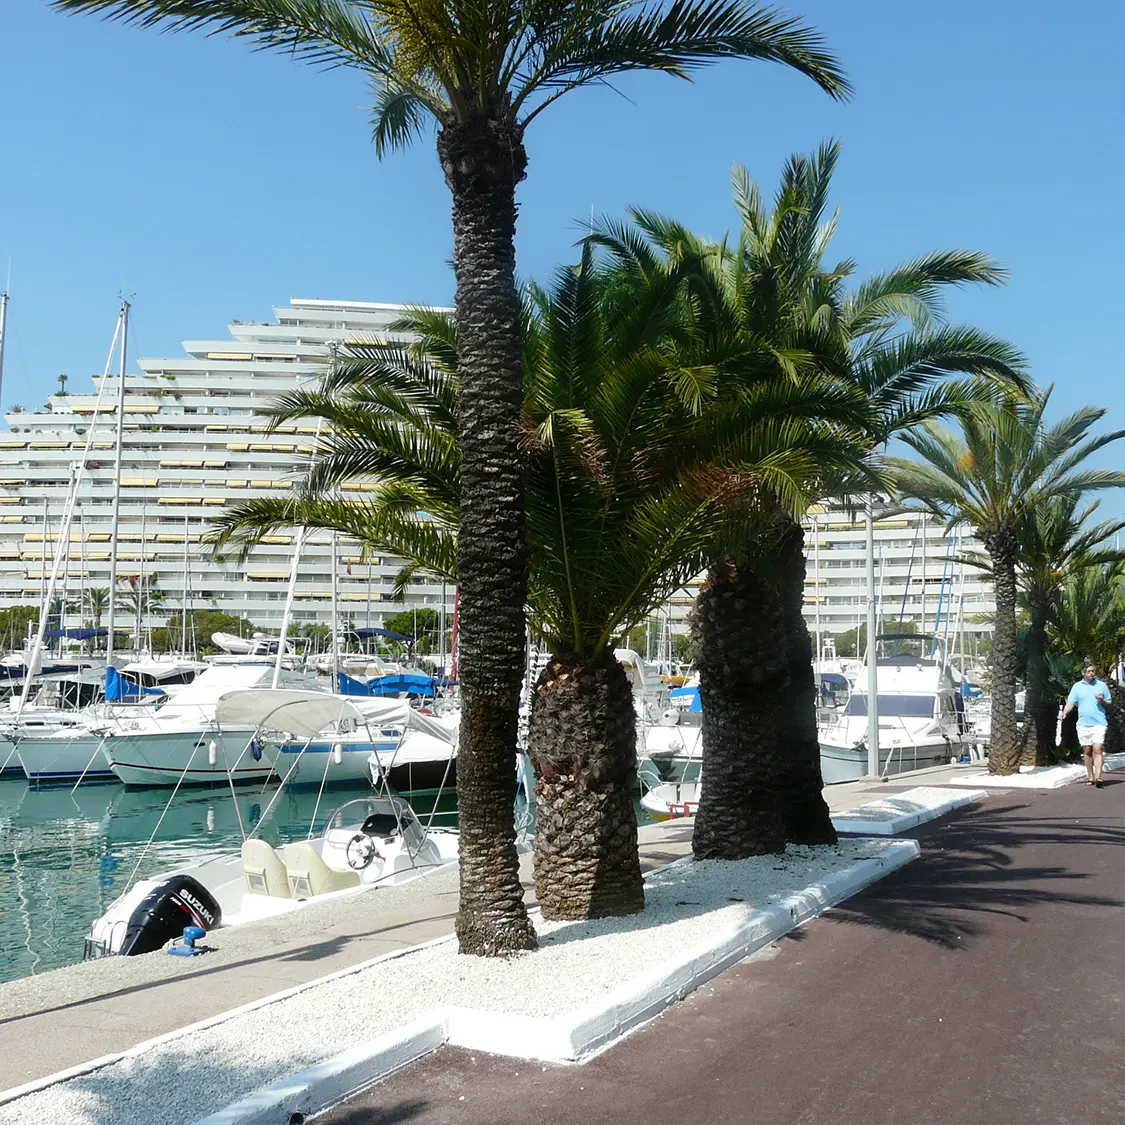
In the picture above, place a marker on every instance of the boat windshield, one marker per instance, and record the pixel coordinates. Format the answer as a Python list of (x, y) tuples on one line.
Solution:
[(896, 706)]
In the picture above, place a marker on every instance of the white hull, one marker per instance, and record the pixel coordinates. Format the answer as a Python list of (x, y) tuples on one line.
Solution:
[(847, 763), (672, 799), (182, 757), (61, 758)]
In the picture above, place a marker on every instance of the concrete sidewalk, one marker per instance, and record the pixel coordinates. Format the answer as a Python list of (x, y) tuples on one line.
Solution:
[(981, 984)]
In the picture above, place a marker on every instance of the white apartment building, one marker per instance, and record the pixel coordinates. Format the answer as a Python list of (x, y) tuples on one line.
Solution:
[(918, 579), (194, 440)]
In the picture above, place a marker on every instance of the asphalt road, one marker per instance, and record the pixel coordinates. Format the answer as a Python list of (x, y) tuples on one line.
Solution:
[(981, 985)]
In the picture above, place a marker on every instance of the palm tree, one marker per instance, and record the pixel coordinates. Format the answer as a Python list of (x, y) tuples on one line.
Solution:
[(995, 477), (483, 71), (97, 600), (1056, 543), (1087, 623), (622, 510), (885, 337)]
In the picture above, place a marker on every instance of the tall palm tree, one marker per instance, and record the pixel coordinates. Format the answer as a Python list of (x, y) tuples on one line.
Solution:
[(995, 476), (1057, 541), (483, 70), (774, 293), (623, 507)]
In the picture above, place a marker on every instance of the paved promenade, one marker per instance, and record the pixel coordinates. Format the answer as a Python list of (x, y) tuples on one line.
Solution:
[(980, 985)]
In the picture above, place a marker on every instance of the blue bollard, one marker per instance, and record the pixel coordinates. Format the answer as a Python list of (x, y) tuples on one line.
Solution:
[(186, 947)]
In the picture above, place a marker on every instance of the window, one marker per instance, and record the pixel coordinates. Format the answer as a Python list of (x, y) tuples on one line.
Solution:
[(896, 706)]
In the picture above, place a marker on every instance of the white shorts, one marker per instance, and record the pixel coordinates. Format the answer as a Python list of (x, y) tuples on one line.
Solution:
[(1091, 736)]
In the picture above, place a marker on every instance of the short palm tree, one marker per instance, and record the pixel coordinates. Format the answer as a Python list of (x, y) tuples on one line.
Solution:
[(994, 476), (1057, 542), (97, 600), (483, 70), (1087, 623), (623, 507), (775, 294)]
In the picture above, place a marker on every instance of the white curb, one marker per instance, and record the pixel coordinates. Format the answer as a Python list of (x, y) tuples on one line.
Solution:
[(891, 815), (1038, 777), (570, 1038), (336, 1079)]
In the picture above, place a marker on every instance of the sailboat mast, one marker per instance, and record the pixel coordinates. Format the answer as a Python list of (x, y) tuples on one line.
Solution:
[(816, 588), (123, 323), (183, 615), (872, 661), (3, 333), (335, 615)]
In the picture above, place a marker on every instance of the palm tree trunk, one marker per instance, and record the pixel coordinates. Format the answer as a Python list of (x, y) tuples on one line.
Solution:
[(1040, 711), (1004, 741), (806, 814), (483, 161), (583, 744), (736, 623)]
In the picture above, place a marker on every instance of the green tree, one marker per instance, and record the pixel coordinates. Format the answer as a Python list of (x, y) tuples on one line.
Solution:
[(1004, 466), (96, 602), (14, 622), (621, 509), (1057, 542), (420, 625), (483, 70), (769, 295), (202, 625)]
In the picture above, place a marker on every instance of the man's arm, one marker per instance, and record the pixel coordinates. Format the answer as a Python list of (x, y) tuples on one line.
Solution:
[(1069, 704)]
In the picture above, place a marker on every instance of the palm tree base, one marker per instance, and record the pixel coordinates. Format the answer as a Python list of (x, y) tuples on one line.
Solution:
[(583, 747), (735, 625), (492, 918)]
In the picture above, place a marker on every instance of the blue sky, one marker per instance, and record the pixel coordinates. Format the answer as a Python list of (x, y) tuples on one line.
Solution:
[(210, 183)]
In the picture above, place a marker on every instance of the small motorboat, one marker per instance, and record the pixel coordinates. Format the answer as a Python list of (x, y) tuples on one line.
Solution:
[(672, 799), (367, 842)]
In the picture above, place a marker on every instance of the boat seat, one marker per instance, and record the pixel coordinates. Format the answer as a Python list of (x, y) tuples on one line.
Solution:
[(265, 873), (310, 876)]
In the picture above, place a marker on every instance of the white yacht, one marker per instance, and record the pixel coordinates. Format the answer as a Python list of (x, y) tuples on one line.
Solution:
[(181, 743), (54, 745), (921, 720)]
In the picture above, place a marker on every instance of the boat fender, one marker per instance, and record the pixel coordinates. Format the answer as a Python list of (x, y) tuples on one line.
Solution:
[(256, 749), (338, 753), (212, 752), (163, 913)]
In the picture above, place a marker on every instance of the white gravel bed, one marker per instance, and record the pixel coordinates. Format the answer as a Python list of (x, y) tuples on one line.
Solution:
[(185, 1078)]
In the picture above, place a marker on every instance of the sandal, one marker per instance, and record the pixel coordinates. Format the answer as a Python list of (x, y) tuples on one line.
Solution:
[(1098, 783)]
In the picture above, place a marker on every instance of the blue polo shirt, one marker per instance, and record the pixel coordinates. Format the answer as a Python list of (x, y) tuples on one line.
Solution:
[(1090, 712)]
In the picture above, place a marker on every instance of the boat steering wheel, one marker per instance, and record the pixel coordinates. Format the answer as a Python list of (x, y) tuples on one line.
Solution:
[(361, 852)]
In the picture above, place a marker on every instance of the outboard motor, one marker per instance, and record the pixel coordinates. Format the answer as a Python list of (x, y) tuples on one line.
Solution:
[(164, 912)]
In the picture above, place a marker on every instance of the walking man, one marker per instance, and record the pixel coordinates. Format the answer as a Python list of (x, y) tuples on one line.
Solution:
[(1091, 696)]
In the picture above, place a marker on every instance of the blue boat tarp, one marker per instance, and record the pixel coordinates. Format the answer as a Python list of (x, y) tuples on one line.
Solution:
[(968, 691), (119, 690), (393, 684), (371, 631), (691, 693), (76, 634)]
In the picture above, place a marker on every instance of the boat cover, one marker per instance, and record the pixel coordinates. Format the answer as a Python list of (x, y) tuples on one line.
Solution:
[(303, 714)]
